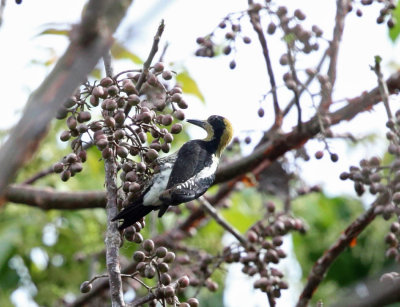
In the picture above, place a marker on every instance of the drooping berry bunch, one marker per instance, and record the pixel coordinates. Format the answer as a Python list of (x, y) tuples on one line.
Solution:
[(385, 12), (384, 182), (265, 239), (151, 270), (152, 262), (139, 114)]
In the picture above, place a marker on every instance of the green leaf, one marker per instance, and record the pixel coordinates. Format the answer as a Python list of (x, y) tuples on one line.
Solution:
[(189, 86), (395, 31), (120, 52), (53, 31)]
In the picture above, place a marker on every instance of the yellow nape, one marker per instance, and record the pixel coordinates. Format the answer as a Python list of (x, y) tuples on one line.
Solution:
[(226, 137)]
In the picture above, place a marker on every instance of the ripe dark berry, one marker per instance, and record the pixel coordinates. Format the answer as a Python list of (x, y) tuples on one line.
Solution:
[(76, 167), (176, 128), (169, 257), (151, 154), (82, 128), (182, 104), (166, 75), (149, 271), (169, 291), (138, 256), (167, 120), (319, 154), (271, 28), (159, 67), (122, 151), (133, 100), (163, 267), (85, 287), (106, 82), (165, 279), (110, 122), (178, 114), (184, 281), (148, 245), (193, 302), (65, 136), (112, 90), (71, 158), (138, 238), (227, 50), (65, 175), (128, 87), (246, 40), (106, 153), (168, 137), (84, 116), (334, 157), (58, 167), (161, 252)]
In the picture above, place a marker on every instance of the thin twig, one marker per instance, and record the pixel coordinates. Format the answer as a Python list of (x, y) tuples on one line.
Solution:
[(382, 86), (163, 52), (205, 205), (147, 63), (107, 64), (306, 84), (255, 21), (297, 83), (38, 175), (341, 12)]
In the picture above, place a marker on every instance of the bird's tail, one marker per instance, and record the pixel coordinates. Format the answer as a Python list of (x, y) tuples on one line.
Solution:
[(132, 214)]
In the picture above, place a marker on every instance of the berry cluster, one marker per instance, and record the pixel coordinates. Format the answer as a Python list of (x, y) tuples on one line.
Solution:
[(265, 239), (139, 116), (233, 32), (385, 12), (154, 262), (384, 182)]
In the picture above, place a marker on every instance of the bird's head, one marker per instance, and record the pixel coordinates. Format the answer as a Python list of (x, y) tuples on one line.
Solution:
[(218, 129)]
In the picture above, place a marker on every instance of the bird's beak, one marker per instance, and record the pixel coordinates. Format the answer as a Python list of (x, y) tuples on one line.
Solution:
[(200, 123)]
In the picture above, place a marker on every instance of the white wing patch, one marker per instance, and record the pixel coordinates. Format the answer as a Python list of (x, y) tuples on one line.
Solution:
[(204, 173)]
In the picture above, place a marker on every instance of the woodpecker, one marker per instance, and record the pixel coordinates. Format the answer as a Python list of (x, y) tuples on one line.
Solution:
[(184, 175)]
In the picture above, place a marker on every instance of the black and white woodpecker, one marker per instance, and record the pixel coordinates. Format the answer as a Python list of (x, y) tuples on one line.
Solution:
[(184, 175)]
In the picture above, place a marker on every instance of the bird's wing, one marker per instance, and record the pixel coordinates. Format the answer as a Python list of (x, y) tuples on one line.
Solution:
[(186, 181), (192, 157)]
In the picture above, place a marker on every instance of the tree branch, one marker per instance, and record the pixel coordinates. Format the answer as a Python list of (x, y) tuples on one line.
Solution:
[(255, 22), (113, 237), (146, 65), (221, 221), (382, 87), (88, 43), (47, 198), (323, 263), (333, 51)]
